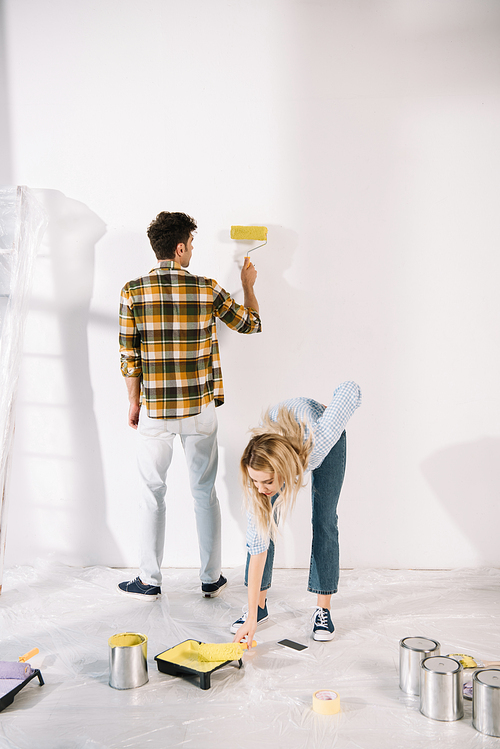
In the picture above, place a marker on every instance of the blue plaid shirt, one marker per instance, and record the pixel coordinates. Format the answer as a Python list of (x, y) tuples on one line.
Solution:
[(326, 426)]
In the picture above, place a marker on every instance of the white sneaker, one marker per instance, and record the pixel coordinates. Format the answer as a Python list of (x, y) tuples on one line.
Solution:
[(323, 628)]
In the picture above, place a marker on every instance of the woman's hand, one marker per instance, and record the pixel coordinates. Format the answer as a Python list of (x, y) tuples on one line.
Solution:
[(255, 570), (246, 632)]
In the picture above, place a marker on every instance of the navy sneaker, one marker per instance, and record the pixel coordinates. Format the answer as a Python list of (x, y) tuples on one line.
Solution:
[(262, 616), (323, 628), (137, 589), (211, 590)]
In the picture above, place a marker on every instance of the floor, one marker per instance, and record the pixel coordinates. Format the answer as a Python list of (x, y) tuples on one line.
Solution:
[(69, 614)]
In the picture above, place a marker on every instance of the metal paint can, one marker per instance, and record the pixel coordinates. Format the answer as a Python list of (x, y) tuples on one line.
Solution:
[(486, 701), (441, 682), (128, 660), (412, 651)]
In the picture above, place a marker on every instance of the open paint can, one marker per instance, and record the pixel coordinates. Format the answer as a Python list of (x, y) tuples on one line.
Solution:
[(441, 696), (128, 660), (486, 701), (412, 651)]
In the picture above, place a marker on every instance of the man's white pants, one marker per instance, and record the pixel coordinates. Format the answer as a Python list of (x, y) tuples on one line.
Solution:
[(154, 455)]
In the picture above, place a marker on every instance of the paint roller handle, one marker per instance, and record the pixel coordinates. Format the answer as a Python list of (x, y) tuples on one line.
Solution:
[(27, 656), (245, 646), (248, 272)]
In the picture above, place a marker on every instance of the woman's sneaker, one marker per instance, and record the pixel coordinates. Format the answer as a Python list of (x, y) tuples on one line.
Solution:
[(262, 616), (323, 628)]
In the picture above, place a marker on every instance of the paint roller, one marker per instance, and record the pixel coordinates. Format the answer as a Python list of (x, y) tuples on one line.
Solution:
[(252, 233), (469, 661), (19, 671), (223, 651)]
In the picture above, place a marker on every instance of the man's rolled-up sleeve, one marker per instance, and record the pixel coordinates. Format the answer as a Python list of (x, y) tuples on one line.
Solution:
[(235, 316), (129, 338)]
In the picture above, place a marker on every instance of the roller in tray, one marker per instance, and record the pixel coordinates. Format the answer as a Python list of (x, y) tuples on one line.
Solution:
[(183, 659), (14, 681)]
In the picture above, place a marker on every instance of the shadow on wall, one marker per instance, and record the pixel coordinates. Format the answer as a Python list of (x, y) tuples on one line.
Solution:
[(265, 359), (466, 478), (62, 468)]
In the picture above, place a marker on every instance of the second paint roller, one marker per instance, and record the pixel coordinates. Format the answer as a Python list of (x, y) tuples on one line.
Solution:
[(251, 233), (226, 651)]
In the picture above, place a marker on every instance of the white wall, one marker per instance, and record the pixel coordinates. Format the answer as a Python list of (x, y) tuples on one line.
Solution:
[(364, 134)]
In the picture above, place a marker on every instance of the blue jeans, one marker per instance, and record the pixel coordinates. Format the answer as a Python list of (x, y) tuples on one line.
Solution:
[(326, 485)]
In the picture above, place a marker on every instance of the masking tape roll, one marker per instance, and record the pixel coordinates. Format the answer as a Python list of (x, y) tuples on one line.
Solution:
[(326, 702)]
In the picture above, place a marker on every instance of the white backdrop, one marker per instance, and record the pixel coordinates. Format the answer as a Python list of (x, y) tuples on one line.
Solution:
[(364, 134)]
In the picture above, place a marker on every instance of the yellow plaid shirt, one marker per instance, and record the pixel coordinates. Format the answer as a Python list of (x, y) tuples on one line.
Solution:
[(168, 338)]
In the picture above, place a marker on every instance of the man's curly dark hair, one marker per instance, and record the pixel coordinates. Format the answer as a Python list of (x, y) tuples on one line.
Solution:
[(167, 231)]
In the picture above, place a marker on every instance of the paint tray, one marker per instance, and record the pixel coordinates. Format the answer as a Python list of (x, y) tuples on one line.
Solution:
[(8, 699), (183, 659)]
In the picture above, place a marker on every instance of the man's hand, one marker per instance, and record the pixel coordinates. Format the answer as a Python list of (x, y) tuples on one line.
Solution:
[(134, 398), (133, 415), (248, 273), (248, 276)]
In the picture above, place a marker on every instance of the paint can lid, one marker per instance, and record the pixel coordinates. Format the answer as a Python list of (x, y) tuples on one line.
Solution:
[(440, 664), (490, 677), (422, 644)]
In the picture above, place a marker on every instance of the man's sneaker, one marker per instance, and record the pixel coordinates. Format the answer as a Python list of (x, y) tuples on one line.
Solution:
[(137, 589), (323, 628), (210, 590), (262, 616)]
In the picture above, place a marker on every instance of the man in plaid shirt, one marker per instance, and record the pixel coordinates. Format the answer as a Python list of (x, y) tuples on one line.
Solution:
[(170, 361)]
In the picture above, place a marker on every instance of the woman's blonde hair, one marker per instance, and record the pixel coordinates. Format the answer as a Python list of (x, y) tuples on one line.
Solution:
[(282, 448)]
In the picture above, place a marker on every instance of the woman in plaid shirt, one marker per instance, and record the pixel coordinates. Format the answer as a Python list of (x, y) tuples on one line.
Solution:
[(296, 436)]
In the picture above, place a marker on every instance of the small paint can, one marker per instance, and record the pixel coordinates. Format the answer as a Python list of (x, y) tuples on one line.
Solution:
[(486, 701), (412, 651), (128, 660), (441, 688)]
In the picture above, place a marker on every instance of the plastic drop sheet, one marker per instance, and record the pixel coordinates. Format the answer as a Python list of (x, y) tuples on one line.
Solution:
[(69, 614), (22, 223)]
